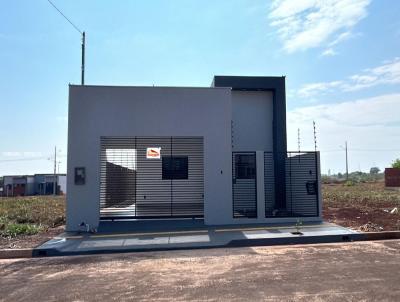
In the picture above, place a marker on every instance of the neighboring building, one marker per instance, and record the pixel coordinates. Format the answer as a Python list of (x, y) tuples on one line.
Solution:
[(18, 185), (38, 184), (392, 177), (44, 184), (217, 153)]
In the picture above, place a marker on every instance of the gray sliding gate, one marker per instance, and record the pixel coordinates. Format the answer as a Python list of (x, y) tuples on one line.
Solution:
[(301, 170), (151, 177), (244, 184)]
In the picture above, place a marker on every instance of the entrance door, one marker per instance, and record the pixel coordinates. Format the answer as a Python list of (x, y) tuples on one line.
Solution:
[(244, 184)]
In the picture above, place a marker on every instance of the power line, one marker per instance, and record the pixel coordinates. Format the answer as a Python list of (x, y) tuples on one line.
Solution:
[(30, 158), (83, 42), (362, 150), (23, 159), (66, 18)]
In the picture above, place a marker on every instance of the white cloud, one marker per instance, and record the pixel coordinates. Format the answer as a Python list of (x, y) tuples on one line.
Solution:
[(342, 37), (329, 52), (387, 73), (304, 24), (310, 90), (367, 124)]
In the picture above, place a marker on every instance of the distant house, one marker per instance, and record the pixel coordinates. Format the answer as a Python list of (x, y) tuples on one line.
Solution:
[(44, 184), (38, 184), (18, 185)]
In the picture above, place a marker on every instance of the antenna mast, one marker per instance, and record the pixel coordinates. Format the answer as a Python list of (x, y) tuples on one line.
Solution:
[(298, 139)]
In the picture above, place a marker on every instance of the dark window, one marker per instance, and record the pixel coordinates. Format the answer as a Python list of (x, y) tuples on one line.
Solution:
[(245, 166), (174, 167)]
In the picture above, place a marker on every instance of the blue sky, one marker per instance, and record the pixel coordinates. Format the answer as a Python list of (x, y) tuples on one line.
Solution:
[(340, 57)]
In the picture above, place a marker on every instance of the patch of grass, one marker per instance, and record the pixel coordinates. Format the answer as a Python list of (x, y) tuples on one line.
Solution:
[(15, 229), (30, 215), (360, 194)]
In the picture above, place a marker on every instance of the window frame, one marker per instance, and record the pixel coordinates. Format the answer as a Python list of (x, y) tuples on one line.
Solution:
[(173, 173), (248, 168)]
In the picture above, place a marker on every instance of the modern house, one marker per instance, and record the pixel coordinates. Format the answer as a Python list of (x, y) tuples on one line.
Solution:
[(38, 184), (217, 153)]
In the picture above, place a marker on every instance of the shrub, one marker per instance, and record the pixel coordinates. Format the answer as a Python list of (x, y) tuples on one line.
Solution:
[(396, 163), (349, 183)]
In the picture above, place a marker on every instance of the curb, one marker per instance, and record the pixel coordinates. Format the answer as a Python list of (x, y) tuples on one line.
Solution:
[(16, 253), (381, 235)]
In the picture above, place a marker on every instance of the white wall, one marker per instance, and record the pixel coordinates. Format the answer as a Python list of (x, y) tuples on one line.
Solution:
[(62, 182), (96, 111), (252, 115)]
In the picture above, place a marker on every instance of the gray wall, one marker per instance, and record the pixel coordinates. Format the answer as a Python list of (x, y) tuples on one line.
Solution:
[(62, 182), (252, 116), (96, 111)]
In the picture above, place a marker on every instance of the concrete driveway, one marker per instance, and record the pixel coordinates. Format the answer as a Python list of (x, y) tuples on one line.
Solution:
[(363, 271)]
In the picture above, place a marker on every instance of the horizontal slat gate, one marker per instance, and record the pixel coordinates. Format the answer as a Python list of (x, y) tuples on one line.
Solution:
[(117, 176), (302, 184), (301, 170), (188, 194), (140, 191)]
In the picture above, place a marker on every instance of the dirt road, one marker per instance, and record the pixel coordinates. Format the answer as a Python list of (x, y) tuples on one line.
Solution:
[(331, 272)]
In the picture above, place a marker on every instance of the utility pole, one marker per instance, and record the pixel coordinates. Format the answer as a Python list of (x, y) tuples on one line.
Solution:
[(55, 171), (347, 163), (83, 41)]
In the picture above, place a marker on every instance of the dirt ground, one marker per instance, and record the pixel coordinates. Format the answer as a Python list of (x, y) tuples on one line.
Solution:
[(362, 271), (364, 207)]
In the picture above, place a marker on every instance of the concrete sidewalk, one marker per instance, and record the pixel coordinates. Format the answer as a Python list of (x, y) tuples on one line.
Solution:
[(153, 236)]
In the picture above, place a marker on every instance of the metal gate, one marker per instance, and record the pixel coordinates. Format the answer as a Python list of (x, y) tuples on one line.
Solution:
[(244, 184), (137, 182), (301, 174)]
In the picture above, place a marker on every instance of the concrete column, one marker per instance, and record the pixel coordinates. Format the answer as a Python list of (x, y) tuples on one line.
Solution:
[(260, 185)]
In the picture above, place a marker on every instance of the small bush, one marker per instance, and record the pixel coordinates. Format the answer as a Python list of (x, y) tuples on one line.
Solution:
[(349, 183), (396, 163)]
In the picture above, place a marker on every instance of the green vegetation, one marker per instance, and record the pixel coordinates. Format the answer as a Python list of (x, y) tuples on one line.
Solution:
[(354, 177), (396, 163), (30, 215), (298, 226), (359, 195), (349, 183)]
